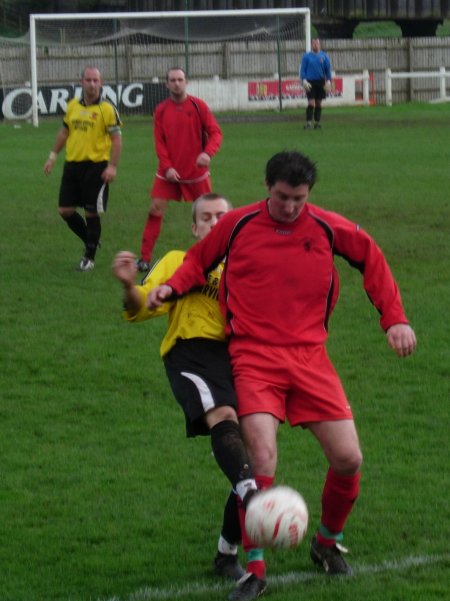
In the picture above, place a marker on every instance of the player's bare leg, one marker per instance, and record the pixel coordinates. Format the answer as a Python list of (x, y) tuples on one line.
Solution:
[(339, 441), (259, 431)]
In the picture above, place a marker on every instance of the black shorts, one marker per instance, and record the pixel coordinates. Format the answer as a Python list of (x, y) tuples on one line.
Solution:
[(82, 186), (317, 91), (199, 373)]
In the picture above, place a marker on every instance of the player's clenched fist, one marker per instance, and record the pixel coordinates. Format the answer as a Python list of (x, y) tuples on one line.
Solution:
[(124, 267), (402, 339), (158, 295)]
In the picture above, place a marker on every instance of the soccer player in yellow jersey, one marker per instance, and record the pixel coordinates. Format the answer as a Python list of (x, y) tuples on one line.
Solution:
[(91, 133), (194, 351)]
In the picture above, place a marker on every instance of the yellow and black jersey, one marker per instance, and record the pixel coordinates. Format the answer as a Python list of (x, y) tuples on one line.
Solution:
[(90, 130), (196, 315)]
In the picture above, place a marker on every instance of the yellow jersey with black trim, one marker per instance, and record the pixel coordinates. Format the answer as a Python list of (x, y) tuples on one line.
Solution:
[(90, 130), (196, 315)]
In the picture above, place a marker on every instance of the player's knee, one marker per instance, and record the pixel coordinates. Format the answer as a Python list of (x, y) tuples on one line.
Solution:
[(220, 414), (355, 461), (157, 208), (264, 459), (349, 462), (65, 212)]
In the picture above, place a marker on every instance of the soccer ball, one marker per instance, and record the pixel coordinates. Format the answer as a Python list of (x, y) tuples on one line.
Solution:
[(277, 517)]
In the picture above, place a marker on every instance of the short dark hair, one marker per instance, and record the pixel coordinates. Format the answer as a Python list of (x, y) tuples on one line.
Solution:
[(291, 167), (174, 69), (207, 196)]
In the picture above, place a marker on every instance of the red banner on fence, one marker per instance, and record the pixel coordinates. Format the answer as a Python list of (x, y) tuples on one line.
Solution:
[(290, 89)]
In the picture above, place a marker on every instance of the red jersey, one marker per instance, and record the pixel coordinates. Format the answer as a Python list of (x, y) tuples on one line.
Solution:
[(280, 284), (182, 131)]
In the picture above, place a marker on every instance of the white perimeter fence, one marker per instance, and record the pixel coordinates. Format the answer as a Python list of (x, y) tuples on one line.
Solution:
[(400, 70), (442, 74)]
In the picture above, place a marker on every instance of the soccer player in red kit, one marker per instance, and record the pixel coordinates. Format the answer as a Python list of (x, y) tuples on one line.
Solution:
[(277, 292), (186, 136)]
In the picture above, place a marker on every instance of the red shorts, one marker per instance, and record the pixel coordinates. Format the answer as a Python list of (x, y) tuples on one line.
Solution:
[(179, 191), (298, 383)]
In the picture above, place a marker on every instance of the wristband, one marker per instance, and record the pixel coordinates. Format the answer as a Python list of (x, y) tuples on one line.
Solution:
[(52, 156)]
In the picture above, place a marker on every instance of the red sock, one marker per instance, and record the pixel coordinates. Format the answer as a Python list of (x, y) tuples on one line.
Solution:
[(264, 482), (150, 235), (338, 496), (257, 567)]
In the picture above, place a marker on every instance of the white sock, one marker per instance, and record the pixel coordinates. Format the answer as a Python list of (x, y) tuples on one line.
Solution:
[(224, 547), (244, 486)]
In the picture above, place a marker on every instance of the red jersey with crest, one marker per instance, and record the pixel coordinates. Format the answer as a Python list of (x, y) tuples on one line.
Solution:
[(182, 131), (280, 285)]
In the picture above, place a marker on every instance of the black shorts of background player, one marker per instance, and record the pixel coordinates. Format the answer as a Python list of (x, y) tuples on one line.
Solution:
[(91, 135), (315, 77)]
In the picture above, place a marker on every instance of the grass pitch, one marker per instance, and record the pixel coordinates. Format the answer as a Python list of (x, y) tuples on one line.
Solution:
[(102, 497)]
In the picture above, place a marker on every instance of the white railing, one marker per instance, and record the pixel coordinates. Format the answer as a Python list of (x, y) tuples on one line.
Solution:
[(442, 74), (367, 85)]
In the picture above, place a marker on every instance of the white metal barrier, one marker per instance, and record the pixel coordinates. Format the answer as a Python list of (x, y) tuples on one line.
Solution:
[(367, 86), (442, 74)]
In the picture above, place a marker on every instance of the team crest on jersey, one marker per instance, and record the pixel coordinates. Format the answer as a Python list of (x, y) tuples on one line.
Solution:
[(211, 288)]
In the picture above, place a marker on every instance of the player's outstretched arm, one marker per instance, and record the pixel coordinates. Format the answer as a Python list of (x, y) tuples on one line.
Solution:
[(402, 339), (157, 296)]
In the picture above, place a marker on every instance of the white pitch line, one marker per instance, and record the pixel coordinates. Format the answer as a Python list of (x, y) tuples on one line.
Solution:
[(157, 594)]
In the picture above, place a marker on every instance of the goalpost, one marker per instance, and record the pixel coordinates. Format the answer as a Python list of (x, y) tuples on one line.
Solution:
[(230, 56)]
